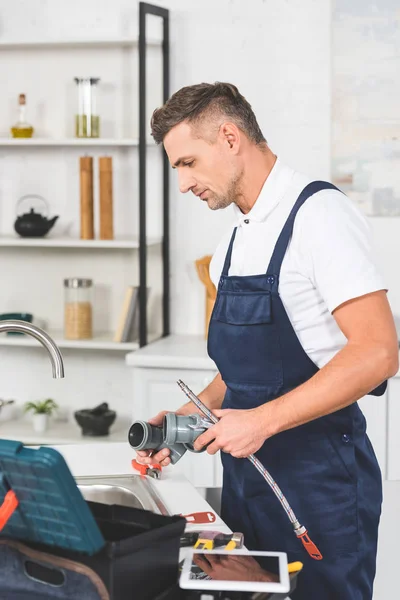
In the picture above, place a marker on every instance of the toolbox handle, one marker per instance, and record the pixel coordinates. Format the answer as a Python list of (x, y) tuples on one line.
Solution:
[(43, 574)]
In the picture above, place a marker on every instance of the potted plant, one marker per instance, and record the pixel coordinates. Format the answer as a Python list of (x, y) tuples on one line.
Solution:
[(41, 409)]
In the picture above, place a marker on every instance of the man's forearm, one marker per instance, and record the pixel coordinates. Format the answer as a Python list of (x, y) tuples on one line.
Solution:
[(212, 396), (350, 375)]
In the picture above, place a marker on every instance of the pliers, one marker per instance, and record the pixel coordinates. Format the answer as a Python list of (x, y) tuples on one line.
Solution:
[(149, 470)]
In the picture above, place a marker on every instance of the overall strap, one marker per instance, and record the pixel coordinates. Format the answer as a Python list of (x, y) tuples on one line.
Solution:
[(279, 252), (228, 256)]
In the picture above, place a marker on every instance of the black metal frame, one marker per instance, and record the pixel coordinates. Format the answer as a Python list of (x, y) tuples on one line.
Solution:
[(144, 10)]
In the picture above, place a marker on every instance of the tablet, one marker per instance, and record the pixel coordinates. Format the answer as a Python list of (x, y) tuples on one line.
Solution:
[(235, 570)]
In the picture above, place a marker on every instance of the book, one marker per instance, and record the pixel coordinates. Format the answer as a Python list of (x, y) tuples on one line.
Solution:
[(128, 323), (133, 310), (126, 307), (131, 332)]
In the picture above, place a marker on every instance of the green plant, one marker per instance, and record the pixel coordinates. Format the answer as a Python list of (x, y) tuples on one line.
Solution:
[(46, 407)]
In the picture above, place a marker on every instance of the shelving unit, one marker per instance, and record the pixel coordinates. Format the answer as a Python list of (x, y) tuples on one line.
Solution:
[(140, 244)]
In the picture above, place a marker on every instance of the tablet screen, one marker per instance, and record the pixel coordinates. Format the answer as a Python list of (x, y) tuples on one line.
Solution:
[(235, 567)]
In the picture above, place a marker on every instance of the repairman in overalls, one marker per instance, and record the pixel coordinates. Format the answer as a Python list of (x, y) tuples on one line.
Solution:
[(300, 331)]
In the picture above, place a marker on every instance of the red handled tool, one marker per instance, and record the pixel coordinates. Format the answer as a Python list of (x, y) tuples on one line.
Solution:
[(200, 517), (149, 470)]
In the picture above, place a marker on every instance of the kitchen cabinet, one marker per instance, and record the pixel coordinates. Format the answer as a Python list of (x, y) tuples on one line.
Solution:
[(155, 371)]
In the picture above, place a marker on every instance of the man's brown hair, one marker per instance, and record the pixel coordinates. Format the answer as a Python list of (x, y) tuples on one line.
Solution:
[(196, 103)]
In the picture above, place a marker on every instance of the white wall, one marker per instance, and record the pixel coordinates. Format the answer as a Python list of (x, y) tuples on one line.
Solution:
[(277, 53)]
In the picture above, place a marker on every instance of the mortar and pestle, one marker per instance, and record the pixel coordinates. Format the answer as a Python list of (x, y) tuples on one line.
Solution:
[(95, 421)]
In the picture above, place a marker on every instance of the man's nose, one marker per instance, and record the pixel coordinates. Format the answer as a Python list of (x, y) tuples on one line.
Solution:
[(186, 183)]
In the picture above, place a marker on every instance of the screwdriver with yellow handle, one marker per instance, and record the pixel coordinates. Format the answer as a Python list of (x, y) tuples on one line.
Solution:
[(295, 567)]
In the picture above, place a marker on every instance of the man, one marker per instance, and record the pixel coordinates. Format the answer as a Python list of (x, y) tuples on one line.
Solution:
[(300, 331)]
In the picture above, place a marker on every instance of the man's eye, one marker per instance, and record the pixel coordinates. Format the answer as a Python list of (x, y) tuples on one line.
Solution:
[(188, 164)]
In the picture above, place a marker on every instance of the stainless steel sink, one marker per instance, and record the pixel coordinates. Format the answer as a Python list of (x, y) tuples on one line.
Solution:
[(130, 490)]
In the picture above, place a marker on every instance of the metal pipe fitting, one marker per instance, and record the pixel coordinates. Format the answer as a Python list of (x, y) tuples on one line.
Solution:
[(144, 436)]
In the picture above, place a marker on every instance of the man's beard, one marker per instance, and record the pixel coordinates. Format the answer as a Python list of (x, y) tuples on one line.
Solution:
[(233, 193)]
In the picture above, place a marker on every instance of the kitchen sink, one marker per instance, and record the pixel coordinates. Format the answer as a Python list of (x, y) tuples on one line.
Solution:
[(130, 490)]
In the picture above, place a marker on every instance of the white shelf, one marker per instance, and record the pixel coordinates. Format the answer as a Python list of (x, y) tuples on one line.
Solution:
[(119, 42), (101, 341), (60, 432), (68, 242), (65, 142)]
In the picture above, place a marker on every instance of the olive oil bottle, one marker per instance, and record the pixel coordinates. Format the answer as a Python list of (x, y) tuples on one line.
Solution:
[(22, 129)]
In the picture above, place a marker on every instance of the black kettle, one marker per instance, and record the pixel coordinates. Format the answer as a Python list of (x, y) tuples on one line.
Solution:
[(33, 224)]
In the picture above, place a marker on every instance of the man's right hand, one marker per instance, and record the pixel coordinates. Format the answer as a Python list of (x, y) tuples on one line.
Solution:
[(145, 457)]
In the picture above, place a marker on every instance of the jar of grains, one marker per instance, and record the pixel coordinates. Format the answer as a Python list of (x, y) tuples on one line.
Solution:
[(78, 308)]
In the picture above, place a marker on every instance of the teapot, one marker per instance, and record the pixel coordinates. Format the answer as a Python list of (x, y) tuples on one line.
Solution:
[(33, 224)]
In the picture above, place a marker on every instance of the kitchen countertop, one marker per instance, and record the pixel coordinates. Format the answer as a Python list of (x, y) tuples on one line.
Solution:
[(173, 351), (59, 432)]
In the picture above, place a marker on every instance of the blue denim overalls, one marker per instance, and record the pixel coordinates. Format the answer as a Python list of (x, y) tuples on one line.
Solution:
[(326, 468)]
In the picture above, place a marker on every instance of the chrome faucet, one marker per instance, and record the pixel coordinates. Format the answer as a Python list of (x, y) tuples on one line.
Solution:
[(42, 337)]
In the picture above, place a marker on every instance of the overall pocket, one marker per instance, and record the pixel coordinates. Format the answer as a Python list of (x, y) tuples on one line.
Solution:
[(243, 308), (243, 339)]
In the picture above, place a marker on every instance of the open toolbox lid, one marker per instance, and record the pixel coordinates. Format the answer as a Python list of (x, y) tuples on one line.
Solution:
[(51, 510)]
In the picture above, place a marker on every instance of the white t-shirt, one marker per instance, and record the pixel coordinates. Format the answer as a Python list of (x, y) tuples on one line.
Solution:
[(329, 259)]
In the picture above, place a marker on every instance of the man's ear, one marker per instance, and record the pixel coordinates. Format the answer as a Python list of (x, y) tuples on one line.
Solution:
[(231, 135)]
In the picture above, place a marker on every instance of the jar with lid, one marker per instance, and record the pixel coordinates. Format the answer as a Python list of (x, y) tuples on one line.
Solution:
[(78, 308), (87, 120)]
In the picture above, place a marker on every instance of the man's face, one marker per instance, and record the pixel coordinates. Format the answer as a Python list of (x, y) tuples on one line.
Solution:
[(209, 170)]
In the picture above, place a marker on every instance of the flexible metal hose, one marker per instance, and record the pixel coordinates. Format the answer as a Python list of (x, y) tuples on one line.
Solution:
[(300, 530)]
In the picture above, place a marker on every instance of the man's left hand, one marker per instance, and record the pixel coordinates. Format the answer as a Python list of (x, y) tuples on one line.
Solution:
[(239, 433)]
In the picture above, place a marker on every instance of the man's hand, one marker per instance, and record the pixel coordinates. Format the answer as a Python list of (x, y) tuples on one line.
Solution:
[(239, 432), (231, 567), (146, 457)]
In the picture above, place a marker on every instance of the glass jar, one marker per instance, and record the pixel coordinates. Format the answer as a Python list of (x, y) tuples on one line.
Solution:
[(87, 121), (78, 308)]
